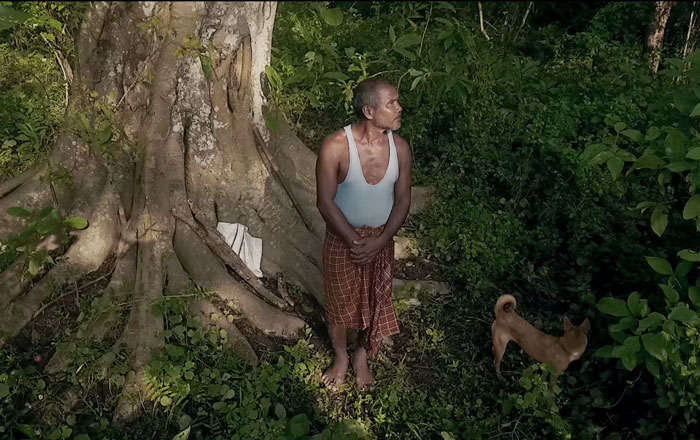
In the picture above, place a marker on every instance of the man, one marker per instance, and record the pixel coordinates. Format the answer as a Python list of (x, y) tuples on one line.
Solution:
[(363, 181)]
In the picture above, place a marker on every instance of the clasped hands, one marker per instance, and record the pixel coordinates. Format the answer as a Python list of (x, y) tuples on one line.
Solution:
[(363, 250)]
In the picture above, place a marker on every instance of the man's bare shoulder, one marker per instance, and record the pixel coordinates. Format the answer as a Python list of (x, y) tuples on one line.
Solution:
[(335, 141), (402, 146)]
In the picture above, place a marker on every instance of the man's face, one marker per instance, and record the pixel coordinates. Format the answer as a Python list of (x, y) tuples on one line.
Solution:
[(387, 115)]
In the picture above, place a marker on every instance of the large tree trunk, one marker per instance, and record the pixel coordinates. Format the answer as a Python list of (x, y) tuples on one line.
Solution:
[(656, 37), (187, 158)]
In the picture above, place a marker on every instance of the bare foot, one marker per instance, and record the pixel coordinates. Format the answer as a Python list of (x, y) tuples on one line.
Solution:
[(334, 376), (365, 378)]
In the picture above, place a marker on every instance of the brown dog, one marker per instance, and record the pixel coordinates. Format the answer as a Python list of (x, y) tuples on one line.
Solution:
[(559, 352)]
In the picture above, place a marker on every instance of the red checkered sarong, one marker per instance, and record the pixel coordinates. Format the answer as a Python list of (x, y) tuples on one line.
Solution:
[(359, 296)]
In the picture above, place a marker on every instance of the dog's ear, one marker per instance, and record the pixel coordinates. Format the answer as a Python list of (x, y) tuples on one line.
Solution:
[(567, 324), (585, 325)]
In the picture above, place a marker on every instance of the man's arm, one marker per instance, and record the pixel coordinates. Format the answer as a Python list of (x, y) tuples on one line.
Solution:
[(327, 165), (368, 247), (402, 191)]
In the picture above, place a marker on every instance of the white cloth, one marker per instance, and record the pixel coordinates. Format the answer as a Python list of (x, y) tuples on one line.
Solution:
[(247, 247)]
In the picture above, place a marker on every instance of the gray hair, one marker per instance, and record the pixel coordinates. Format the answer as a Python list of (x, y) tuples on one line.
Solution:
[(365, 94)]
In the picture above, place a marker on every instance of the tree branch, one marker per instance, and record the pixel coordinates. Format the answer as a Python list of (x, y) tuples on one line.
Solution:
[(481, 22)]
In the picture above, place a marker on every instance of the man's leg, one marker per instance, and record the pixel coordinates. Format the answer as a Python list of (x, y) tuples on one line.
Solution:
[(364, 375), (335, 375)]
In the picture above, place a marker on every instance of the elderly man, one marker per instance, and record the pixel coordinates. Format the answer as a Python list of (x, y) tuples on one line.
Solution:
[(363, 181)]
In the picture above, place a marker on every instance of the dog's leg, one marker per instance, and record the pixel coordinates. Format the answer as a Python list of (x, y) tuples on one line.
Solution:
[(500, 342)]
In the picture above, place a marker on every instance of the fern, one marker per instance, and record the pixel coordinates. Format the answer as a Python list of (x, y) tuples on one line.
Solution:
[(167, 394)]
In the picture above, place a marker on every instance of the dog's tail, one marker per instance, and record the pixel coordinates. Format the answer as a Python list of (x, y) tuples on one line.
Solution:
[(504, 304)]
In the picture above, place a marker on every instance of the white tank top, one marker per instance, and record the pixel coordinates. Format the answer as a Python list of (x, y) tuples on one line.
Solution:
[(364, 204)]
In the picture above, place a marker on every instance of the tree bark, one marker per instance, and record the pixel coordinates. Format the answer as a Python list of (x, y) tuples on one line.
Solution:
[(183, 96), (689, 44), (655, 41)]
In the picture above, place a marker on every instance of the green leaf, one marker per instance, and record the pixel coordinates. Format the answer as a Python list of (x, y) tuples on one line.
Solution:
[(694, 295), (166, 401), (670, 293), (392, 34), (604, 352), (659, 220), (18, 211), (416, 81), (654, 320), (273, 77), (634, 304), (696, 111), (27, 430), (10, 17), (76, 222), (619, 126), (34, 266), (683, 314), (299, 426), (624, 324), (629, 360), (47, 226), (664, 178), (407, 40), (692, 207), (333, 17), (207, 65), (678, 166), (626, 156), (693, 153), (660, 265), (653, 133), (635, 135), (684, 101), (689, 255), (407, 53), (86, 123), (654, 344), (340, 76), (601, 157), (4, 390), (280, 412), (632, 344), (649, 161), (183, 435), (271, 123), (592, 150), (613, 306), (653, 366), (615, 165), (644, 206), (682, 268)]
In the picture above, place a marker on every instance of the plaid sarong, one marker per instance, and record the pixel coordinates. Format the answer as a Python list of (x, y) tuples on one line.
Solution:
[(360, 296)]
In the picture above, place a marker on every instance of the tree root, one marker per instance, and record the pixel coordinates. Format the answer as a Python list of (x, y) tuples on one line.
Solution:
[(118, 290), (12, 282), (207, 271), (237, 341), (33, 194), (12, 184), (223, 251), (86, 255)]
